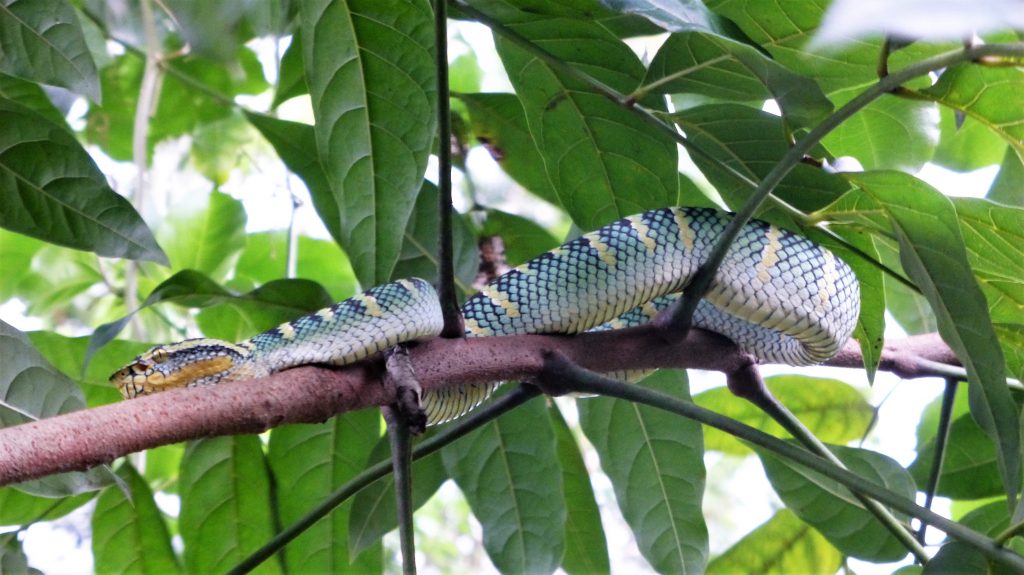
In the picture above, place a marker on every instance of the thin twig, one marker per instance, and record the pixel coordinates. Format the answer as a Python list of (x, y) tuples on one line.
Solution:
[(401, 468), (939, 453), (453, 326)]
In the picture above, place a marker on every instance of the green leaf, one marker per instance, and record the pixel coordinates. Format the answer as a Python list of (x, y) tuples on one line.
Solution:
[(295, 144), (369, 67), (889, 133), (51, 189), (933, 255), (969, 469), (586, 550), (700, 62), (226, 509), (272, 303), (206, 238), (20, 508), (374, 510), (1011, 337), (992, 95), (129, 534), (833, 410), (499, 123), (783, 544), (968, 147), (211, 29), (910, 309), (32, 96), (68, 355), (673, 16), (523, 238), (508, 470), (1008, 187), (833, 510), (12, 557), (955, 558), (310, 462), (265, 258), (223, 146), (291, 76), (16, 254), (994, 238), (418, 257), (603, 162), (655, 462), (990, 519), (751, 142), (42, 41), (30, 389)]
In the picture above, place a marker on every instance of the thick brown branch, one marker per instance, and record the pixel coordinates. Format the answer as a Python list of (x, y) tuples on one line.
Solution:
[(82, 439)]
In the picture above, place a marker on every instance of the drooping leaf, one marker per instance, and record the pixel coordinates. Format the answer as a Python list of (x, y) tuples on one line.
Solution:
[(834, 411), (508, 470), (130, 535), (369, 68), (700, 62), (309, 463), (592, 148), (655, 462), (783, 544), (586, 549), (833, 510), (374, 511), (19, 508), (226, 509), (42, 41), (52, 190)]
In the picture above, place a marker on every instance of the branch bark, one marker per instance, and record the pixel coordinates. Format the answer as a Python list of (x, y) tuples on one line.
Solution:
[(311, 394)]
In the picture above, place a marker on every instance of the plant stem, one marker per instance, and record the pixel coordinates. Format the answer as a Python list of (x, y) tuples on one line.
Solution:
[(401, 466), (453, 326), (941, 437)]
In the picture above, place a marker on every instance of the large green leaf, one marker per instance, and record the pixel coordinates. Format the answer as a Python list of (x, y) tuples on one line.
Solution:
[(291, 77), (586, 549), (374, 510), (833, 410), (603, 162), (309, 463), (992, 95), (369, 68), (68, 355), (499, 123), (655, 462), (889, 133), (226, 508), (31, 389), (19, 508), (933, 255), (781, 545), (994, 238), (42, 41), (751, 142), (969, 469), (700, 62), (32, 96), (206, 238), (966, 147), (833, 510), (129, 534), (52, 190), (508, 470)]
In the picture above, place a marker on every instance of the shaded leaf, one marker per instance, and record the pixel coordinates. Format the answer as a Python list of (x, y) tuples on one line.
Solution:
[(508, 470), (129, 535), (783, 544), (602, 162), (955, 558), (833, 410), (655, 462), (833, 510), (32, 96), (42, 41), (969, 469), (12, 557), (291, 76), (309, 463), (52, 190), (369, 68), (225, 504), (523, 238)]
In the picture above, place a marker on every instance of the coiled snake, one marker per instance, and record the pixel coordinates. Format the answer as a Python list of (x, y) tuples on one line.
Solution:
[(777, 295)]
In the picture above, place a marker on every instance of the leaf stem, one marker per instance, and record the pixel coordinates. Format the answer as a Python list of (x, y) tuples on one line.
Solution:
[(453, 326), (401, 467)]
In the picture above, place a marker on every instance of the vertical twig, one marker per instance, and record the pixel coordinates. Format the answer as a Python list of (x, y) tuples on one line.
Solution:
[(446, 267), (941, 437), (401, 466)]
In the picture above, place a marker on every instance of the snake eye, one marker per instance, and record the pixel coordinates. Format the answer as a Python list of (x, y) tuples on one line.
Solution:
[(159, 355)]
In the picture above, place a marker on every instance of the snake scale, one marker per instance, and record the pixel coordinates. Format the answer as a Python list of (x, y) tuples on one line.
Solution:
[(777, 295)]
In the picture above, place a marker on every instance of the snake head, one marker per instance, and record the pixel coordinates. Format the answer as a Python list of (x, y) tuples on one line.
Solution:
[(188, 363)]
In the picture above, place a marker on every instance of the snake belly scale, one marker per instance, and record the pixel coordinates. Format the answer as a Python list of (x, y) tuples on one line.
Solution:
[(777, 295)]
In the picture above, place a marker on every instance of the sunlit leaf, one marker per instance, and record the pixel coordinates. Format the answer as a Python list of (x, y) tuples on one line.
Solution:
[(781, 545)]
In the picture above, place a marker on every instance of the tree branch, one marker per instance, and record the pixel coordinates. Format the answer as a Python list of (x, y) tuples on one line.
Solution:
[(81, 439)]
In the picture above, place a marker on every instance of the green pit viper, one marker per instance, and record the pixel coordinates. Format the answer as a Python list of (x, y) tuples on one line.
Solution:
[(777, 295)]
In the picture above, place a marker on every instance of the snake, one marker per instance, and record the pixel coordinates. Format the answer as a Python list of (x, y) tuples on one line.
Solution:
[(776, 295)]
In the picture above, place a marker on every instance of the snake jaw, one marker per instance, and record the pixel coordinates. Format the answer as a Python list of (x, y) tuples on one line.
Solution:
[(189, 363)]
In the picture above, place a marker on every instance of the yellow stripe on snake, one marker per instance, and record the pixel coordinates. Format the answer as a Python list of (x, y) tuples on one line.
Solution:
[(777, 295)]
